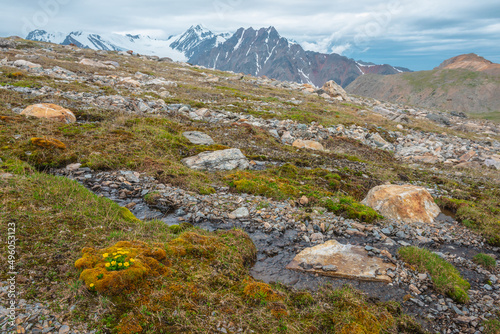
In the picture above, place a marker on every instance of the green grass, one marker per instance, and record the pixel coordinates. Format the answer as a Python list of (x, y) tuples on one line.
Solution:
[(443, 79), (445, 276), (290, 182), (492, 326), (482, 214), (485, 260), (491, 116)]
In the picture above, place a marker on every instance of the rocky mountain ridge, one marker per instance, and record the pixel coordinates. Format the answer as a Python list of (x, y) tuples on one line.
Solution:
[(261, 52)]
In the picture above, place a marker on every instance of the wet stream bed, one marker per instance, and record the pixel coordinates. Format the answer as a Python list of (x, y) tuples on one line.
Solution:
[(276, 249)]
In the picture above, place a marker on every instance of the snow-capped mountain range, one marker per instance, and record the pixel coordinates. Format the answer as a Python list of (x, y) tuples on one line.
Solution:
[(256, 52)]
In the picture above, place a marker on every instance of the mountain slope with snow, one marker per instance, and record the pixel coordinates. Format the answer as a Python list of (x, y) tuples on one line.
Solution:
[(265, 52), (111, 42), (256, 52)]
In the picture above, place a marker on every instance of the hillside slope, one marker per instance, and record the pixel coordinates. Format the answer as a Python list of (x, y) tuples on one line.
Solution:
[(462, 83)]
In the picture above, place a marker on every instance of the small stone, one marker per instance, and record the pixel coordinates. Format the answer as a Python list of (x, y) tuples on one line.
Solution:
[(414, 289), (73, 167), (303, 200), (241, 212), (131, 205), (317, 237), (64, 329), (330, 267)]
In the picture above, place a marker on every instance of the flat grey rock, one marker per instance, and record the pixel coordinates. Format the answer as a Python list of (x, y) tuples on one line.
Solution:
[(198, 138), (219, 160)]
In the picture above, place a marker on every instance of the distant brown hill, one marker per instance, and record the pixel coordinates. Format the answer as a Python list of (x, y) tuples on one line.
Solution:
[(467, 83), (471, 62)]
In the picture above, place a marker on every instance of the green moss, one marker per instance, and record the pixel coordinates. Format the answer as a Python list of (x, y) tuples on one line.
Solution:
[(15, 166), (352, 209), (445, 276), (127, 215)]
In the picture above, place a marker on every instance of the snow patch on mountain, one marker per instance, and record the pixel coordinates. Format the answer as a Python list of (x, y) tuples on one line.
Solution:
[(111, 42)]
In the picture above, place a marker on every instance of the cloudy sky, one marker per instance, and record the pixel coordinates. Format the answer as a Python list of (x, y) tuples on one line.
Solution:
[(414, 34)]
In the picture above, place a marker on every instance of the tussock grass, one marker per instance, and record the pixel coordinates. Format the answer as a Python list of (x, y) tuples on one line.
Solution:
[(485, 260), (445, 276)]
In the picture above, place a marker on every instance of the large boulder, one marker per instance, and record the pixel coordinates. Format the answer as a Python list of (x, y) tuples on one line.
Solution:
[(335, 90), (219, 160), (21, 63), (198, 138), (94, 63), (50, 111), (344, 261), (406, 203), (6, 43)]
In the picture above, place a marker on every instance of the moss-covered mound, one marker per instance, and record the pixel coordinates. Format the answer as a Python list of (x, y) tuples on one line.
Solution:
[(122, 267)]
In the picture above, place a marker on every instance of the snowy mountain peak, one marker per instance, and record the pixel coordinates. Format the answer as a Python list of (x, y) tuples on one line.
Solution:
[(110, 42), (197, 39)]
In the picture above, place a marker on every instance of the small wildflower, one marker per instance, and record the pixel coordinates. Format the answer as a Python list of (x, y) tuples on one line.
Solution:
[(126, 264), (105, 255), (132, 260), (107, 264), (114, 253), (120, 264), (91, 285), (113, 263)]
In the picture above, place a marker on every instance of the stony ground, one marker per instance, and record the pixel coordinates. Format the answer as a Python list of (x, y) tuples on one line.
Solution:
[(362, 141)]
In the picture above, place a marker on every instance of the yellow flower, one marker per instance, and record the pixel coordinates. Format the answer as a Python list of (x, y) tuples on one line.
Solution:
[(91, 285), (132, 260), (113, 263), (114, 253), (120, 264), (107, 264), (117, 256), (105, 255), (126, 252), (126, 264)]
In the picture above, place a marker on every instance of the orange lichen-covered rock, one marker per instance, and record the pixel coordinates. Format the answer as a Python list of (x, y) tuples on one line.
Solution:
[(406, 203), (50, 111), (122, 267), (48, 143)]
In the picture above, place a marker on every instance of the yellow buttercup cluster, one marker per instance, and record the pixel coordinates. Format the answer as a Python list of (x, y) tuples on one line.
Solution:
[(118, 260)]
